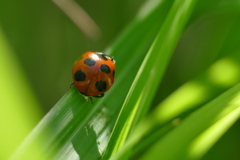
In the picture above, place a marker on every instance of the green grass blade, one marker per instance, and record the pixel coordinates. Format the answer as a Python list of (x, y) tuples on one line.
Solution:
[(206, 124), (150, 74), (203, 142)]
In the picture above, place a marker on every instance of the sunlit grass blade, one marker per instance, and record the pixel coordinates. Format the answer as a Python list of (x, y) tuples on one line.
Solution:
[(202, 143), (200, 90), (197, 128), (150, 74)]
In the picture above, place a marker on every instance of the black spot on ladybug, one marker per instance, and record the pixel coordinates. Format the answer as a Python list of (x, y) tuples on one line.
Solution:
[(104, 68), (89, 62), (113, 73), (101, 86), (102, 56), (79, 76)]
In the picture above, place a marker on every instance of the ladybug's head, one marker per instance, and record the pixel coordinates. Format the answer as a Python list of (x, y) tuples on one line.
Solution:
[(105, 57)]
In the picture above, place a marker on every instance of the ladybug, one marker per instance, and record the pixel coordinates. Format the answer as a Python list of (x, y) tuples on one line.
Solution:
[(93, 74)]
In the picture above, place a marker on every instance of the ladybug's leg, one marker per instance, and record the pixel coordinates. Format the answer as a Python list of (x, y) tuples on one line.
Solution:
[(71, 85), (90, 99), (87, 97), (99, 96)]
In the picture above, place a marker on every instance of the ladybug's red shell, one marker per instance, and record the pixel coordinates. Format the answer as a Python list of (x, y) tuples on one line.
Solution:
[(93, 73)]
